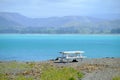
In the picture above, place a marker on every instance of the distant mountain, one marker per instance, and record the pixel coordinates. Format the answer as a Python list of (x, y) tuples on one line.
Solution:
[(108, 16), (16, 18), (17, 23)]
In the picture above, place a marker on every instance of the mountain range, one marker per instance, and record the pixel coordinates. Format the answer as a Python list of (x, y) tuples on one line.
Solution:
[(17, 23)]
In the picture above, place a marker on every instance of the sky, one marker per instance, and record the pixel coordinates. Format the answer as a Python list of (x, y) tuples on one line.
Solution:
[(53, 8)]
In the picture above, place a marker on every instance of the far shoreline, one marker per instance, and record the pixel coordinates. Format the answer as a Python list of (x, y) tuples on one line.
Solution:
[(53, 60), (59, 34)]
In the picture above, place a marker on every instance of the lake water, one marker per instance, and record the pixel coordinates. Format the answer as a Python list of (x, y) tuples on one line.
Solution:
[(36, 47)]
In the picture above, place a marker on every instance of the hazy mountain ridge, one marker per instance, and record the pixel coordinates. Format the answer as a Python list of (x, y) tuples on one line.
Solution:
[(17, 23)]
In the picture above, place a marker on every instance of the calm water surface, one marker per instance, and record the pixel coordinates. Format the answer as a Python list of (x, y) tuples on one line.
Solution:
[(36, 47)]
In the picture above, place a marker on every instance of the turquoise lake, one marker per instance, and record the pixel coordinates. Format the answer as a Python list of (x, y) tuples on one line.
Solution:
[(37, 47)]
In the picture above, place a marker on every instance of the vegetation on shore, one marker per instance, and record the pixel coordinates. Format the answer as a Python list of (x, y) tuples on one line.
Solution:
[(93, 69), (60, 73), (35, 71), (116, 78)]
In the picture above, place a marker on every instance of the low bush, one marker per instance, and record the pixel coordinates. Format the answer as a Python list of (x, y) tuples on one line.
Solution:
[(64, 73), (116, 78), (36, 71)]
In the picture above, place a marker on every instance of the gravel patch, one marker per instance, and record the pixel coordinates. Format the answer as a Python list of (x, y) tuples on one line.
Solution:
[(96, 69)]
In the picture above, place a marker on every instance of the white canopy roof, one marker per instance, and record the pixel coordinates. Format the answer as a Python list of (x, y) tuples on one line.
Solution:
[(72, 52)]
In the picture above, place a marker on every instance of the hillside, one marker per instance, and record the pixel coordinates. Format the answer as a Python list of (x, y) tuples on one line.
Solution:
[(17, 23)]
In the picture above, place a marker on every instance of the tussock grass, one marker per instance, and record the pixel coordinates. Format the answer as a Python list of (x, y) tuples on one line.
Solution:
[(63, 73), (36, 71), (116, 78)]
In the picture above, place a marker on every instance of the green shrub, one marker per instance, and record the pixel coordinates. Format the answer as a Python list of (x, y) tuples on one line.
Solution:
[(65, 73), (80, 75), (3, 77), (72, 78), (116, 78)]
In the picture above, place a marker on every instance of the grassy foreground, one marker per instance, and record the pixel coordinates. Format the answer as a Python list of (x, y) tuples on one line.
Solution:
[(116, 78), (36, 71), (93, 69)]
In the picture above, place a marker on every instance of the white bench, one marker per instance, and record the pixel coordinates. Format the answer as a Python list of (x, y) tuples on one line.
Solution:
[(71, 55)]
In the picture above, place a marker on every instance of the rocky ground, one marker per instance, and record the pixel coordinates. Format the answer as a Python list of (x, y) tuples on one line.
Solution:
[(93, 69), (96, 69)]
